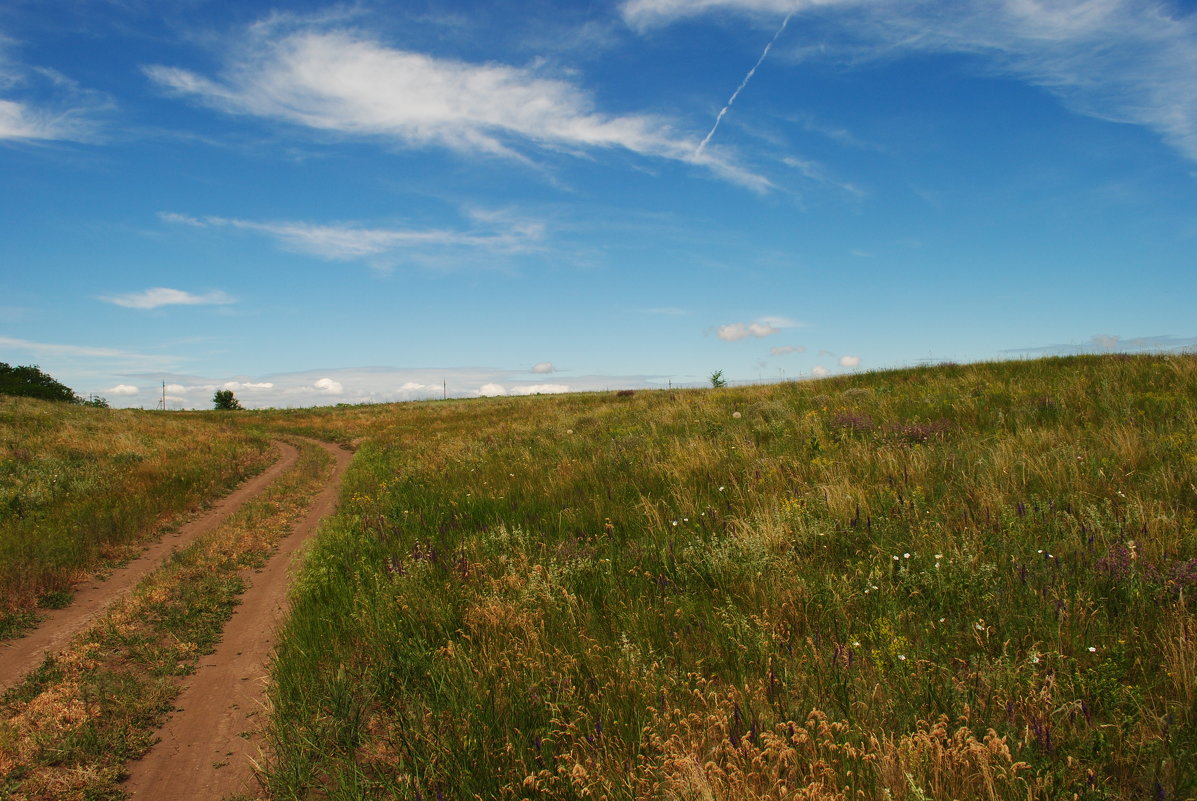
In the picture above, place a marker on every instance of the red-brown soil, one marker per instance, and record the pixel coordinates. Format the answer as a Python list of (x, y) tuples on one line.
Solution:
[(18, 657), (208, 748)]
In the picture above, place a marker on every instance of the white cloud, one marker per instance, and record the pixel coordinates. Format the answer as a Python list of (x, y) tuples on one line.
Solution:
[(366, 385), (348, 83), (122, 389), (162, 296), (346, 242), (818, 371), (763, 327), (1121, 60), (539, 389), (19, 121), (647, 13), (849, 361), (63, 111), (544, 367), (782, 350), (247, 385)]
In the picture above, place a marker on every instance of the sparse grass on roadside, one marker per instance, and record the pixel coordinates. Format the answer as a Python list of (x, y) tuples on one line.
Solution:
[(956, 582), (68, 729), (82, 486)]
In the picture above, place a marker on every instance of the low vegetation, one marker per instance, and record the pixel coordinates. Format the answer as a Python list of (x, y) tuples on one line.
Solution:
[(67, 731), (81, 486), (954, 582)]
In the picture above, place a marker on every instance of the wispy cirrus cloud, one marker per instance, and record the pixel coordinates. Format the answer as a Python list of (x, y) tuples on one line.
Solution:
[(40, 104), (348, 83), (89, 356), (1128, 61), (349, 242), (157, 297)]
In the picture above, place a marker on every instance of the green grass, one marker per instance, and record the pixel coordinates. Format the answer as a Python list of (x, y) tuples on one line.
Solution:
[(79, 487), (68, 729), (956, 582)]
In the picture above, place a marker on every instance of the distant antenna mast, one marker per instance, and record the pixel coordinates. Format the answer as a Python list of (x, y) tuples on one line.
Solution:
[(162, 403), (444, 389)]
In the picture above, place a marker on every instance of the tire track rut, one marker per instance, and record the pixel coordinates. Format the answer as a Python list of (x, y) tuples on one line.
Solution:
[(18, 657), (208, 749)]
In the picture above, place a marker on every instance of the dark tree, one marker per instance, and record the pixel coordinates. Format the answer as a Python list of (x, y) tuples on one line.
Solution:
[(224, 399), (30, 382)]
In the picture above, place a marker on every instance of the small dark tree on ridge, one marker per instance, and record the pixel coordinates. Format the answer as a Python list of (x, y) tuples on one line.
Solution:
[(224, 399)]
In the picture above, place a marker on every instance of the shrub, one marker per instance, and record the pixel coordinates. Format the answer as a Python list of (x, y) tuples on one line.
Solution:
[(224, 399)]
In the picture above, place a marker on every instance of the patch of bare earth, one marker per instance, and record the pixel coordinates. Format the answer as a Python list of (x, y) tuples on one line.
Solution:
[(209, 747)]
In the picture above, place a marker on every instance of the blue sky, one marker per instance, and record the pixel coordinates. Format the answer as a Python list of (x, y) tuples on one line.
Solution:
[(321, 203)]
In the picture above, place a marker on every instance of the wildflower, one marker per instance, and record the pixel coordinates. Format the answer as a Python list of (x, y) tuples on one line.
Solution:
[(895, 558), (675, 522), (721, 489), (1092, 649), (939, 556), (569, 431), (906, 556), (736, 415), (902, 657)]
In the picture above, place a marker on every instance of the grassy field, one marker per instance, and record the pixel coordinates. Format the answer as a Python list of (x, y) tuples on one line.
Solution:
[(954, 582), (79, 486), (68, 729)]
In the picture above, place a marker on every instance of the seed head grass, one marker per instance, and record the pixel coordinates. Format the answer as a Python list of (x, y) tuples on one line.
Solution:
[(960, 582)]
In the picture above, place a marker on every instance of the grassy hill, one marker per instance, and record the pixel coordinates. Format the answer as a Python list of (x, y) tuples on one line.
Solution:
[(81, 485), (954, 582)]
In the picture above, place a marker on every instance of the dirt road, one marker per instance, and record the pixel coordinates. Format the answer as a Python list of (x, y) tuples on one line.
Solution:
[(18, 657), (208, 747)]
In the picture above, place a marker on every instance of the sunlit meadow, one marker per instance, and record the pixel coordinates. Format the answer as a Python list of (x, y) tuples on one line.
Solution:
[(952, 582), (79, 485)]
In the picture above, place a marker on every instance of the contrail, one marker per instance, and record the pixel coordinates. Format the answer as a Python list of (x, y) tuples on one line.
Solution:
[(740, 88)]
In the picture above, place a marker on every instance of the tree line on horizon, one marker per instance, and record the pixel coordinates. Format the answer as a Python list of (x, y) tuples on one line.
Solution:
[(29, 381)]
